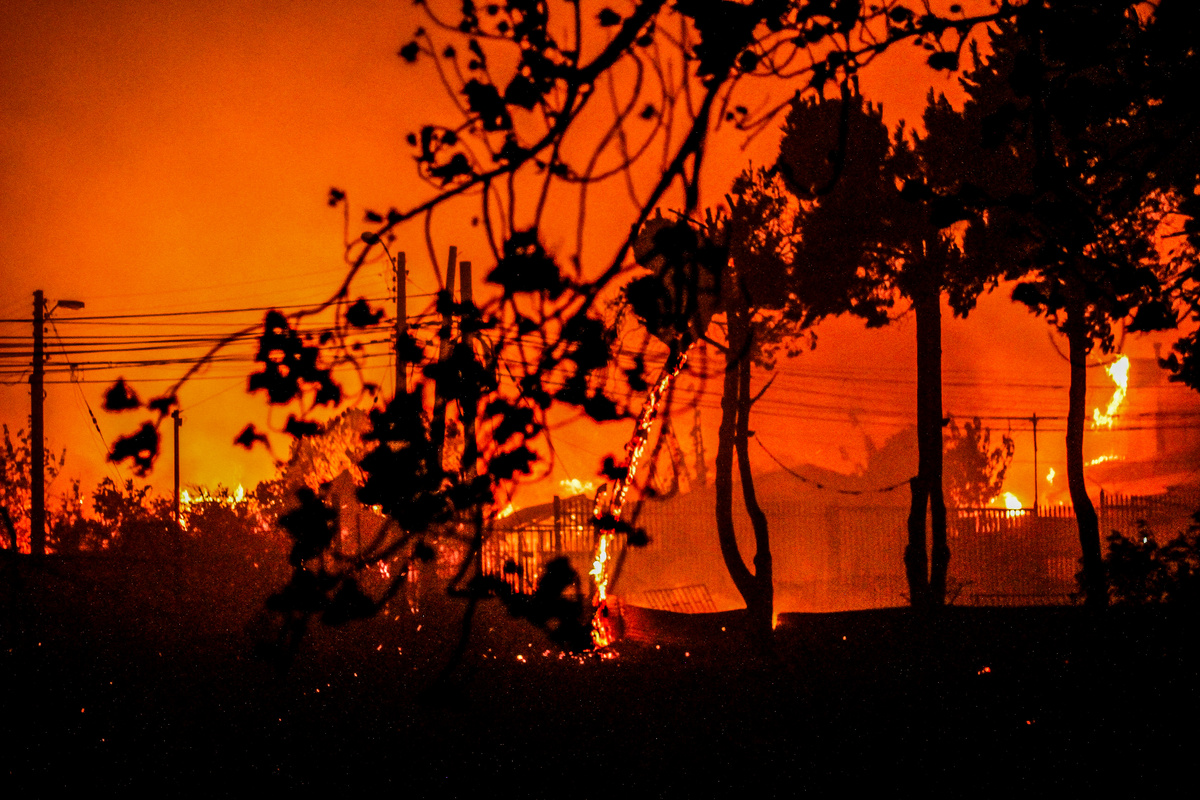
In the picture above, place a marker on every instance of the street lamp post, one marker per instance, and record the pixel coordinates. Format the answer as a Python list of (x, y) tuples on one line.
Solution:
[(37, 393)]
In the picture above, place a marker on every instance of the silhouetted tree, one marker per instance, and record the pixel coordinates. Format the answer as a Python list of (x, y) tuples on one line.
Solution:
[(974, 470), (878, 230), (1170, 137), (1052, 149), (738, 266), (553, 101), (15, 492), (141, 524)]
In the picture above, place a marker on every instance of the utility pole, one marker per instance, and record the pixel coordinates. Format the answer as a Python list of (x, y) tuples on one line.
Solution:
[(178, 424), (37, 422), (37, 434), (470, 446), (401, 324), (437, 432), (1036, 479)]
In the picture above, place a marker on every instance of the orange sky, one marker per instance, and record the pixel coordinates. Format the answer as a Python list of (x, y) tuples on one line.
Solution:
[(176, 156)]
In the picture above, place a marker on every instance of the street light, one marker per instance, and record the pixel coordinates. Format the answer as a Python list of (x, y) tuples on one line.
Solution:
[(37, 478)]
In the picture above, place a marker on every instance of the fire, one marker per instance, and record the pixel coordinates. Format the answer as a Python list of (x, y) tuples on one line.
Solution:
[(1119, 372), (222, 497), (1050, 476), (576, 486), (1013, 504), (1102, 459), (505, 512), (601, 635)]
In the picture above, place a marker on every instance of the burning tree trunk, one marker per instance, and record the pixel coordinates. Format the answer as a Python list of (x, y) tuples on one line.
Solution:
[(1094, 582), (757, 587), (926, 570)]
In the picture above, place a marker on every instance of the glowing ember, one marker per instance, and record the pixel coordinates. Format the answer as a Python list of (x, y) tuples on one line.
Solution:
[(602, 635), (1102, 459), (1119, 372)]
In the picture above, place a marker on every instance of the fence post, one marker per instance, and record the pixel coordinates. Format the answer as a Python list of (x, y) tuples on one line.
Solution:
[(557, 526)]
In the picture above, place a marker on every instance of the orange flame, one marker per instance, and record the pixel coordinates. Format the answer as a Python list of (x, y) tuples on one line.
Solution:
[(1119, 372), (602, 633)]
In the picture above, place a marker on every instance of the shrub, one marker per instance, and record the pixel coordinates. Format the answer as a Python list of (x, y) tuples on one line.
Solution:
[(1141, 572)]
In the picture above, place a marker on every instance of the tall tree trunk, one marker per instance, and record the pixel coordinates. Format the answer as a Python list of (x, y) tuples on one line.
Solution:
[(916, 558), (926, 573), (756, 588), (1094, 582), (762, 610)]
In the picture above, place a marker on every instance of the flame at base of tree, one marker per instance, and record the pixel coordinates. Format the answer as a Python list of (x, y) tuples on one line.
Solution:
[(603, 633)]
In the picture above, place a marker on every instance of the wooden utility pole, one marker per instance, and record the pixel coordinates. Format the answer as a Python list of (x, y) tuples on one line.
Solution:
[(37, 434), (178, 424), (37, 422), (1036, 479), (437, 432), (468, 403), (401, 324)]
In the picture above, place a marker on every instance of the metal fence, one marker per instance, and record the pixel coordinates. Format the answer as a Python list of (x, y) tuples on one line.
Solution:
[(841, 557), (519, 546)]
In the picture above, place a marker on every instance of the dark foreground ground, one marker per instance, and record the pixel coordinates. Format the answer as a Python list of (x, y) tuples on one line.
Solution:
[(108, 687)]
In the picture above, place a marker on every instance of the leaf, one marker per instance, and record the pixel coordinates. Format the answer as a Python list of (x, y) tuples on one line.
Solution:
[(140, 447), (505, 465), (164, 404), (360, 314), (1155, 315), (513, 420), (249, 436), (523, 92), (311, 525), (612, 471), (600, 408), (608, 18), (121, 397), (409, 52), (484, 100), (525, 266), (301, 428), (943, 60), (457, 167)]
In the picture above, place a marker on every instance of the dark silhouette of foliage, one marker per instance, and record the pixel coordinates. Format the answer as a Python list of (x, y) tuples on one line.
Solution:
[(360, 314), (529, 80), (140, 524), (974, 470), (1142, 572), (140, 447), (15, 491), (121, 397), (881, 229), (249, 436), (1057, 154)]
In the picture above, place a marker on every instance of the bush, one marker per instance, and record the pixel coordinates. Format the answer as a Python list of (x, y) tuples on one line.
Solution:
[(1140, 572)]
